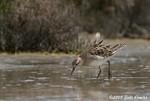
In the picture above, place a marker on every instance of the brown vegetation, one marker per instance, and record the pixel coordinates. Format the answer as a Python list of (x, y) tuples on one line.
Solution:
[(53, 25)]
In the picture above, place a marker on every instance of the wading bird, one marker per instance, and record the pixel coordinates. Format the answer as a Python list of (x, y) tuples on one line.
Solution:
[(95, 55)]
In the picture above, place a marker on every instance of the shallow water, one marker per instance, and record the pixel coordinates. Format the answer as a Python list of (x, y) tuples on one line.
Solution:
[(28, 77)]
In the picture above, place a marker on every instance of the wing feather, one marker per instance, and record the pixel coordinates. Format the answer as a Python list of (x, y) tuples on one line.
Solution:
[(100, 49)]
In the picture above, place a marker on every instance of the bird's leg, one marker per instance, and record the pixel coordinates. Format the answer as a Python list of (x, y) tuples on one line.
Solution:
[(73, 69), (99, 72), (109, 72)]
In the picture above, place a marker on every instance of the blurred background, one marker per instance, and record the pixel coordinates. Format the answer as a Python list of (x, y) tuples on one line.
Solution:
[(56, 25), (36, 28)]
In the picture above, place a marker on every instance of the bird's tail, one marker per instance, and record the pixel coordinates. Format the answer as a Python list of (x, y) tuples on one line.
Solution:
[(117, 47)]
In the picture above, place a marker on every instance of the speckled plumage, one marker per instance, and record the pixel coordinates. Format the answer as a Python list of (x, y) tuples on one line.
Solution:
[(96, 54)]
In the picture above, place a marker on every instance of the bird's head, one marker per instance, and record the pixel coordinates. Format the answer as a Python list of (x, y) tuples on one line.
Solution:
[(76, 62)]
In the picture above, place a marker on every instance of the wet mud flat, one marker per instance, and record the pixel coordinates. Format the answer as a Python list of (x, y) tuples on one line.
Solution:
[(41, 77)]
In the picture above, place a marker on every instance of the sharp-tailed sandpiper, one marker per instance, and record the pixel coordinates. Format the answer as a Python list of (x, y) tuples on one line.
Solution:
[(95, 55)]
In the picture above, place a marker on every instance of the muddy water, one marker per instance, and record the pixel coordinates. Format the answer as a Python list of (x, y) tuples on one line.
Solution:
[(34, 77)]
